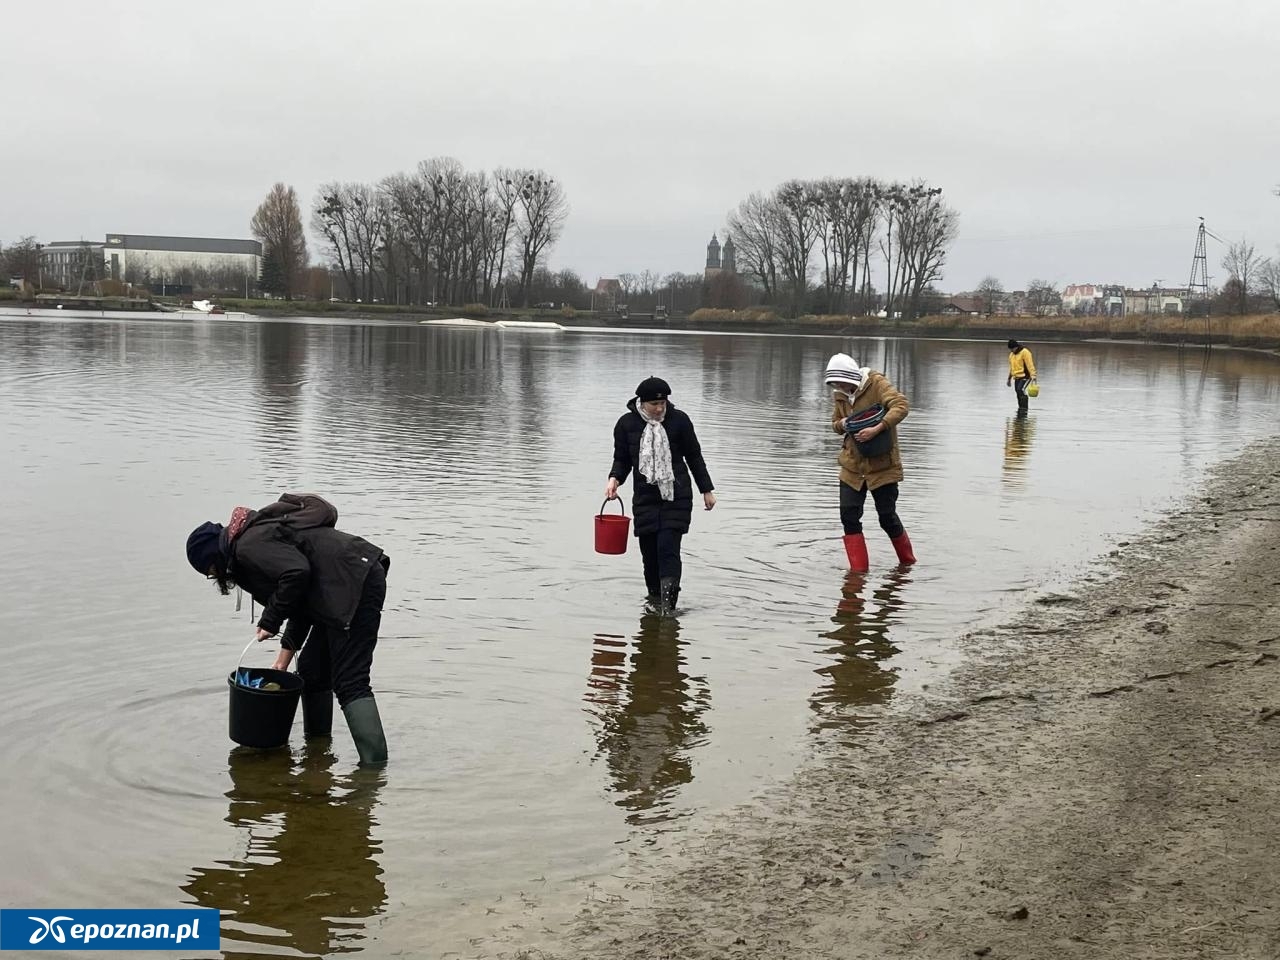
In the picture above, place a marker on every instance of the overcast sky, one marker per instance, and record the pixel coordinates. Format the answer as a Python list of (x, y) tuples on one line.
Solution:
[(1079, 141)]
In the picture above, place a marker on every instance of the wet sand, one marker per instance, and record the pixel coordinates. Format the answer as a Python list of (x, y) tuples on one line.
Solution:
[(1100, 781)]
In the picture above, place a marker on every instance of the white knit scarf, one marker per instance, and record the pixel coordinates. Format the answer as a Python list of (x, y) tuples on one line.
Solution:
[(655, 454)]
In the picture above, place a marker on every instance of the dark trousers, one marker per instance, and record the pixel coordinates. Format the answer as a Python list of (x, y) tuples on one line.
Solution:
[(661, 554), (340, 660), (886, 499), (1020, 388)]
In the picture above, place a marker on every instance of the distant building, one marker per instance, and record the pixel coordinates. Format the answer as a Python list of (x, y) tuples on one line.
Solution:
[(68, 263), (1154, 301), (1113, 300), (145, 258), (719, 261), (1013, 304), (966, 305), (713, 258), (1081, 297), (1094, 299), (606, 295)]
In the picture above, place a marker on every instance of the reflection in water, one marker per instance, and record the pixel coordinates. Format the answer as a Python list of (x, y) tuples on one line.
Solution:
[(1019, 431), (856, 678), (648, 718), (308, 880)]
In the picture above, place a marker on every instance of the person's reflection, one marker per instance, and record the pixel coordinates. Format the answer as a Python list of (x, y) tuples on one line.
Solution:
[(309, 880), (649, 717), (1018, 433), (856, 677)]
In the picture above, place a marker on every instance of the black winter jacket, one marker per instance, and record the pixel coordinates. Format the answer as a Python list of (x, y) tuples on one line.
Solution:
[(651, 513), (300, 573)]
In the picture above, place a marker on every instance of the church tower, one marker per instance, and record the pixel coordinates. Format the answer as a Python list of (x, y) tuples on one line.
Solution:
[(713, 259), (729, 264)]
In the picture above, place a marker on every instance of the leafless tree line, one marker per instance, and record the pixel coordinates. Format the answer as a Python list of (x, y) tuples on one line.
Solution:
[(834, 229), (227, 276), (678, 292), (1250, 277), (440, 233)]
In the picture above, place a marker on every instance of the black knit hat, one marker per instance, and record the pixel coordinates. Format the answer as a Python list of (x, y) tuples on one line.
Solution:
[(653, 388), (1014, 345), (202, 546)]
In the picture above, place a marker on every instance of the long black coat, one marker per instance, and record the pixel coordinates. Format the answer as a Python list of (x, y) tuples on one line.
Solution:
[(306, 575), (650, 512)]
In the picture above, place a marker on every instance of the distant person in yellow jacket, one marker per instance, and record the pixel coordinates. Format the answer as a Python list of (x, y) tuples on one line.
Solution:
[(1022, 372)]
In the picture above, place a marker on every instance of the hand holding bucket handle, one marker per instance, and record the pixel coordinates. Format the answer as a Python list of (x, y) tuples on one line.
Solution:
[(249, 645), (611, 529)]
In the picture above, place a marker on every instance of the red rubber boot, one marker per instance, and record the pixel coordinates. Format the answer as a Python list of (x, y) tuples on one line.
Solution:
[(855, 545), (902, 543)]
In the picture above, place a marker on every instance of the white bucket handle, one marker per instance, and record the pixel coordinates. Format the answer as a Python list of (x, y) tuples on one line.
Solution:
[(245, 651)]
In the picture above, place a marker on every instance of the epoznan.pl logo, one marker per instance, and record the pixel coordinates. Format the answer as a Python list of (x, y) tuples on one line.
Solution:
[(191, 929)]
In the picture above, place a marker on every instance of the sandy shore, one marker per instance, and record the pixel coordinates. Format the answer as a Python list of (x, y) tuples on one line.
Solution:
[(1101, 781)]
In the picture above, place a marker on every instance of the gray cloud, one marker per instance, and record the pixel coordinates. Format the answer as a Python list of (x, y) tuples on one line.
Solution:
[(1079, 142)]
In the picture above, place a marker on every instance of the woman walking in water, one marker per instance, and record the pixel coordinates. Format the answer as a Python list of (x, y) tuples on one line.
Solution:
[(658, 443), (866, 407)]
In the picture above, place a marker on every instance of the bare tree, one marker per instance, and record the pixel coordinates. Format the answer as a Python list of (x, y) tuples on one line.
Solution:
[(892, 201), (412, 212), (332, 217), (845, 208), (754, 228), (542, 211), (797, 212), (22, 259), (506, 187), (991, 290), (914, 254), (1043, 295), (1269, 280), (278, 224), (926, 232), (450, 231), (370, 216), (1243, 265), (924, 229)]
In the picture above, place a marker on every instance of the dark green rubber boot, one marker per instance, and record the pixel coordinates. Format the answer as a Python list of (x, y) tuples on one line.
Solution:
[(317, 713), (366, 730), (669, 594)]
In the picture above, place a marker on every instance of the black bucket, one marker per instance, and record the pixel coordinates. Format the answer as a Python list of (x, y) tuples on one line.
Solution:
[(263, 718), (878, 445)]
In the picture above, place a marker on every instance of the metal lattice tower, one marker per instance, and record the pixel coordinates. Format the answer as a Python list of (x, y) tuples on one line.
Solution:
[(1198, 286)]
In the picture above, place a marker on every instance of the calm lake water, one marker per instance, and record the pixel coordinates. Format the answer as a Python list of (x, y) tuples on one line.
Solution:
[(539, 723)]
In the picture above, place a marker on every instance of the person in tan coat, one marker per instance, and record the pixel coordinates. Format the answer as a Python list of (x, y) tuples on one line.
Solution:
[(867, 412)]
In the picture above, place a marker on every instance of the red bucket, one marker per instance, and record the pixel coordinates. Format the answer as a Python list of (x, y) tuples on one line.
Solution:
[(611, 531)]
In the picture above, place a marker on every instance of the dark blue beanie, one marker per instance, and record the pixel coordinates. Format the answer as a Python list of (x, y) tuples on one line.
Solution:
[(202, 546)]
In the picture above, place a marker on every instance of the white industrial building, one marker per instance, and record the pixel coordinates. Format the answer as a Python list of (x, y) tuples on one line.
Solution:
[(129, 256), (68, 263)]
